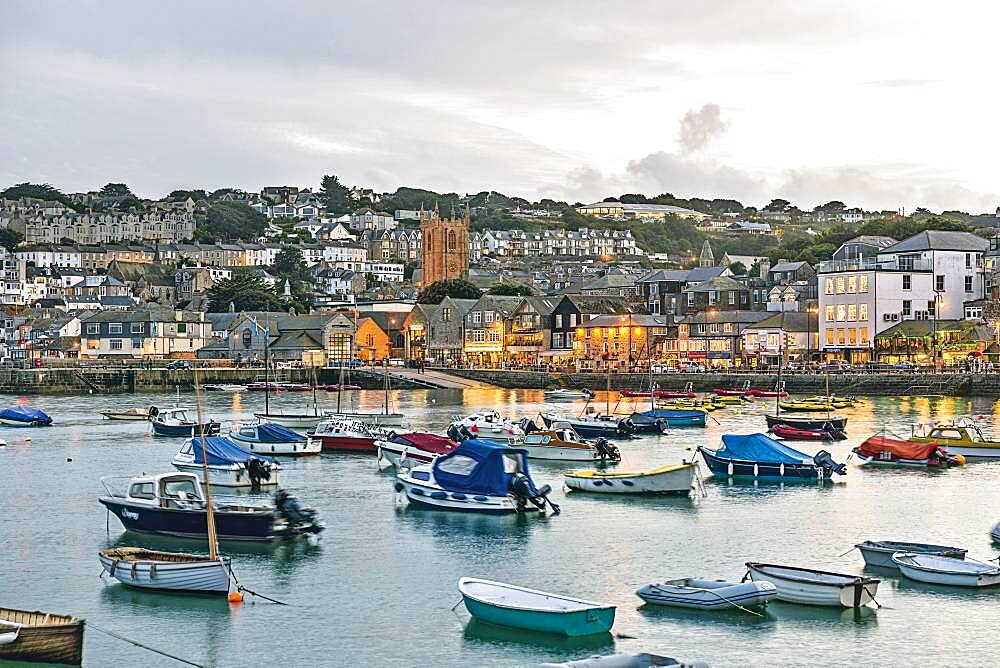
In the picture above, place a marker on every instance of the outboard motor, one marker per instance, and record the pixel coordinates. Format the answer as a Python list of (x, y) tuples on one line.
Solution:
[(662, 426), (153, 411), (257, 470), (299, 519), (626, 427), (528, 425), (458, 433), (607, 451), (824, 460), (523, 490)]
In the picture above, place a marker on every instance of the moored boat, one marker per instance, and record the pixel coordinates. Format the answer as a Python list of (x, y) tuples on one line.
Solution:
[(798, 434), (807, 586), (175, 422), (885, 451), (300, 421), (24, 416), (522, 608), (879, 552), (658, 420), (413, 448), (701, 594), (486, 424), (40, 637), (938, 569), (133, 414), (669, 479), (224, 387), (166, 571), (829, 423), (563, 443), (961, 437), (349, 435), (626, 660), (228, 465), (273, 439), (567, 394), (592, 425), (759, 457)]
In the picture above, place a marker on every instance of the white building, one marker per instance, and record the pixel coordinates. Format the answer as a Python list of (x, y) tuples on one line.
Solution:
[(346, 256), (386, 272), (52, 256), (930, 275)]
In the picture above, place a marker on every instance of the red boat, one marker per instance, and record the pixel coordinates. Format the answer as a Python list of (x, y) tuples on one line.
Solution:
[(885, 451), (767, 393), (417, 447), (349, 436), (729, 392), (799, 434), (337, 388)]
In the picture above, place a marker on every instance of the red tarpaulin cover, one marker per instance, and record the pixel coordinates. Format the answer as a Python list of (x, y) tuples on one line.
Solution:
[(902, 449), (426, 442)]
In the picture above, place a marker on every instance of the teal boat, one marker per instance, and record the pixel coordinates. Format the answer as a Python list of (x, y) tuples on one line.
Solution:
[(517, 607)]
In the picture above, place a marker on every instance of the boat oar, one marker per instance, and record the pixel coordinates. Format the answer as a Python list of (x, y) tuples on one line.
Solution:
[(717, 594)]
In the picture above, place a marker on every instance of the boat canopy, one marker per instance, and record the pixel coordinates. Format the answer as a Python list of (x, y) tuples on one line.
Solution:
[(759, 448), (270, 432), (876, 445), (424, 441), (221, 451), (670, 413), (24, 414), (481, 467)]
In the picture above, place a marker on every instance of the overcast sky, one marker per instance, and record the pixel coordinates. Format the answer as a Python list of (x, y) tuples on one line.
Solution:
[(880, 104)]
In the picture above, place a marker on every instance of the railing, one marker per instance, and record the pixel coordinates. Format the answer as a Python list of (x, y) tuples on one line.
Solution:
[(874, 264)]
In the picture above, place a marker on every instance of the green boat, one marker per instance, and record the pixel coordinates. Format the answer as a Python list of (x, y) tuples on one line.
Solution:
[(517, 607)]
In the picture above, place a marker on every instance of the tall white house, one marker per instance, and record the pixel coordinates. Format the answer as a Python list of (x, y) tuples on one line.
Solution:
[(930, 275)]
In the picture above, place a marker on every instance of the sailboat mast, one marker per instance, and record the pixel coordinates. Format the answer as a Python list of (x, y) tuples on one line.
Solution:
[(267, 383), (340, 388), (777, 389), (315, 405), (607, 407), (386, 381), (213, 547)]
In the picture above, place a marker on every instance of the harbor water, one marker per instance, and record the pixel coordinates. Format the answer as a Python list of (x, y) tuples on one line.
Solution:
[(379, 587)]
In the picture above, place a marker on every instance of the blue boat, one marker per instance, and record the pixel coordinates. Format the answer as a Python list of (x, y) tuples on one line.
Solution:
[(274, 439), (760, 457), (521, 608), (175, 422), (24, 416), (657, 420), (591, 425)]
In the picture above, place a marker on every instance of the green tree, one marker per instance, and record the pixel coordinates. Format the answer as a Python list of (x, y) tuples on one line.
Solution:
[(116, 190), (454, 288), (9, 238), (181, 195), (738, 268), (231, 221), (778, 205), (511, 290), (39, 191), (289, 263), (334, 195), (246, 292), (831, 207)]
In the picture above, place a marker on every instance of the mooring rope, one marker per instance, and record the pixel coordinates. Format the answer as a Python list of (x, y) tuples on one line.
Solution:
[(91, 625)]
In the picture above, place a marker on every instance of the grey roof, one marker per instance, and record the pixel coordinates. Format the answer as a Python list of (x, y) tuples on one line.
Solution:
[(788, 266), (716, 284), (632, 320), (608, 281), (790, 321), (147, 313), (684, 275), (741, 316), (500, 303), (940, 240), (600, 304), (872, 240)]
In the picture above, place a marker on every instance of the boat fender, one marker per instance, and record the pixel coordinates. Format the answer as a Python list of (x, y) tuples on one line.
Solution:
[(755, 470), (398, 487), (781, 469), (152, 571), (729, 469)]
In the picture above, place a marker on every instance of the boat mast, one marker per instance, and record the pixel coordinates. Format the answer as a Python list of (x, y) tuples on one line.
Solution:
[(386, 379), (781, 354), (315, 405), (267, 383), (213, 547), (340, 389)]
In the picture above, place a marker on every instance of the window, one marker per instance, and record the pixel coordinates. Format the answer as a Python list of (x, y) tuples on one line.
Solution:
[(116, 344), (852, 312), (863, 336), (841, 312), (907, 282), (841, 336), (182, 328), (968, 260), (772, 340), (476, 317), (494, 336), (930, 307), (968, 283), (115, 328), (829, 337), (558, 321), (137, 327), (852, 336), (488, 317), (727, 327), (830, 313), (852, 284), (713, 297), (93, 328), (863, 283), (136, 344), (690, 299), (828, 283), (907, 307), (141, 490), (452, 240), (939, 282), (572, 317), (862, 311), (840, 285), (446, 314)]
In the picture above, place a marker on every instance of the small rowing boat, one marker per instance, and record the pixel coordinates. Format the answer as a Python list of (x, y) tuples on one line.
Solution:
[(40, 637), (670, 479), (798, 434), (166, 571), (522, 608), (134, 414), (657, 420), (807, 586), (702, 594), (937, 569), (879, 552), (175, 422)]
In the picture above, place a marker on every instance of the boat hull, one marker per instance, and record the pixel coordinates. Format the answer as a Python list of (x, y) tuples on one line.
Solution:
[(185, 431), (972, 452), (677, 480), (880, 554), (290, 449), (49, 643), (423, 495), (292, 421), (227, 476), (572, 624), (20, 423), (125, 417), (735, 468), (990, 577), (394, 454), (236, 526), (853, 592), (390, 420), (347, 443), (208, 576), (653, 423), (561, 454), (836, 422), (709, 595)]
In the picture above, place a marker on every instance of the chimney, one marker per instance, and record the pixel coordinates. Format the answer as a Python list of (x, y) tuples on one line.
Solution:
[(178, 315)]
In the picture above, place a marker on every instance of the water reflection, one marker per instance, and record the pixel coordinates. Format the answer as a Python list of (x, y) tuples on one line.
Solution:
[(477, 632), (713, 618)]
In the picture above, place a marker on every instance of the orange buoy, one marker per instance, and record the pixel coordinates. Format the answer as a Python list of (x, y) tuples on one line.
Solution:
[(235, 597)]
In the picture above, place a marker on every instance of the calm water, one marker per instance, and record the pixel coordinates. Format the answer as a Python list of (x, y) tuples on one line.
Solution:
[(379, 587)]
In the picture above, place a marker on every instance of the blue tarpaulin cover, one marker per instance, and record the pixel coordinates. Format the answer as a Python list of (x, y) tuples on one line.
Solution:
[(759, 448), (222, 451), (24, 414), (477, 466), (270, 432), (669, 413)]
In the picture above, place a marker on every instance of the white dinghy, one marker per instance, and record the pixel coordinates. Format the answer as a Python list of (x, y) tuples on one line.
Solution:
[(169, 571), (811, 587), (879, 552), (702, 594), (936, 569)]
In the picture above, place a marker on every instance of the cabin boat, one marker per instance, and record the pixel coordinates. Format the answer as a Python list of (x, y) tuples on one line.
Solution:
[(879, 450), (380, 419), (962, 437), (272, 439), (533, 610), (830, 423), (166, 571), (300, 421), (486, 424), (807, 586), (701, 594), (40, 637), (349, 435), (478, 476), (228, 464), (879, 552), (224, 387), (24, 416), (563, 443), (413, 448), (592, 425), (135, 414), (938, 569), (759, 457), (566, 394), (670, 479), (175, 422), (658, 420), (173, 504)]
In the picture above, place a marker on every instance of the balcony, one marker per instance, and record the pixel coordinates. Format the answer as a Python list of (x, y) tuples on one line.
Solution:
[(873, 264)]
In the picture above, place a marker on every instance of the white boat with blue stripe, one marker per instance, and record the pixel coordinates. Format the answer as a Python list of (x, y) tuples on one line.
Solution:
[(273, 439)]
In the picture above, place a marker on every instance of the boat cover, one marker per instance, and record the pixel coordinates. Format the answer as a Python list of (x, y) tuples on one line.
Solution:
[(875, 445), (24, 414), (221, 451), (426, 442), (670, 413), (478, 466), (270, 432), (759, 448)]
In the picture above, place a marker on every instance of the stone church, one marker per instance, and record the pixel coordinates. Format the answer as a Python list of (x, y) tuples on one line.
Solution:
[(445, 252)]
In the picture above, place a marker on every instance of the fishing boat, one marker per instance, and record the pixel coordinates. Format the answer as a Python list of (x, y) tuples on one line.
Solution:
[(563, 443), (133, 414), (227, 464), (273, 439), (175, 422), (759, 457), (24, 416), (879, 552), (592, 425), (881, 450), (40, 637), (937, 569), (807, 586), (486, 424), (167, 571), (174, 504), (224, 387), (478, 476), (701, 594), (658, 420), (566, 394), (522, 608), (799, 434), (831, 423), (344, 435), (670, 479), (961, 437), (413, 448)]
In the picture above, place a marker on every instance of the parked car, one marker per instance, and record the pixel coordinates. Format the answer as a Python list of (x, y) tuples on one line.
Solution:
[(904, 366), (876, 367), (180, 365), (691, 367)]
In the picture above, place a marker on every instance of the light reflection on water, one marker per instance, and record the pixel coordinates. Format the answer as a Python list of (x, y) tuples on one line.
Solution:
[(380, 586)]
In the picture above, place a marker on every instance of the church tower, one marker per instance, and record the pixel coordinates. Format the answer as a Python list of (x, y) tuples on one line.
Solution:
[(445, 251), (707, 257)]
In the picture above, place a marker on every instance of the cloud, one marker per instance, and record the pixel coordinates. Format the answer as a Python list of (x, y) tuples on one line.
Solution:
[(700, 127)]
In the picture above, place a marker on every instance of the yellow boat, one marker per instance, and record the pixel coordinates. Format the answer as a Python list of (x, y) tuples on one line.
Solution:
[(689, 404), (730, 400), (961, 437), (807, 406), (835, 401)]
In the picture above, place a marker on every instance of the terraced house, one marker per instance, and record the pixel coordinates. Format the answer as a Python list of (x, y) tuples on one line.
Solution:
[(146, 332)]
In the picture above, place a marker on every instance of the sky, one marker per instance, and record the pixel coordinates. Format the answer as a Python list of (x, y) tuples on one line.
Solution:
[(884, 105)]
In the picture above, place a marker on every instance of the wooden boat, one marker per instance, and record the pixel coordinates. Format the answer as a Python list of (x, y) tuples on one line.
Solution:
[(658, 420), (701, 594), (228, 465), (342, 435), (478, 476), (882, 450), (937, 569), (807, 586), (40, 637), (566, 394), (962, 437), (173, 504), (136, 414), (670, 479), (759, 457), (563, 443), (829, 423), (798, 434), (170, 571), (176, 423), (591, 425), (24, 416), (413, 448), (273, 439), (879, 552), (522, 608)]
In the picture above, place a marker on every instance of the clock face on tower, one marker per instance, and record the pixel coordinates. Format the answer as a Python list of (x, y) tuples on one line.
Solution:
[(452, 267)]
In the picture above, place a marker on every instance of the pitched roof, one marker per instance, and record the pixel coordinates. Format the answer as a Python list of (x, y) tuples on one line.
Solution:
[(747, 317), (633, 320), (788, 266), (600, 304), (940, 240), (716, 284), (501, 304)]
